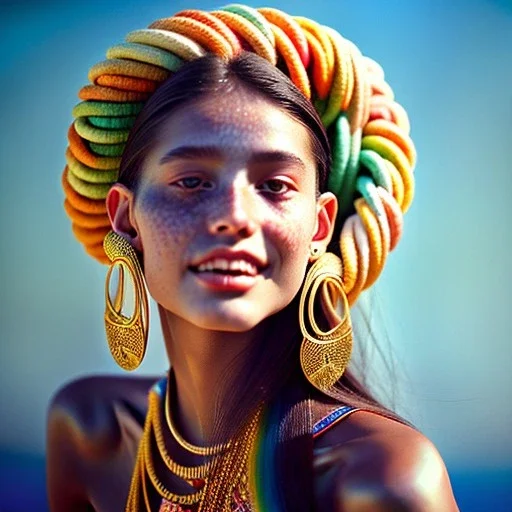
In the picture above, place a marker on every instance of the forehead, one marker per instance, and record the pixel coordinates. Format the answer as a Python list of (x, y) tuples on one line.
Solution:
[(239, 121)]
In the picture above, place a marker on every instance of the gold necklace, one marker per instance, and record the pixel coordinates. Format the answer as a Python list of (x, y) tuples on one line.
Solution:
[(184, 472), (205, 451), (230, 476), (144, 466), (233, 471), (181, 499)]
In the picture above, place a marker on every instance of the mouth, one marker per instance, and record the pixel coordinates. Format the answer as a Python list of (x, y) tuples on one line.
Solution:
[(221, 274), (228, 267)]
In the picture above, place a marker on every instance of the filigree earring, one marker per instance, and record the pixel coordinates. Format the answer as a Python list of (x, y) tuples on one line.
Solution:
[(126, 335), (324, 355)]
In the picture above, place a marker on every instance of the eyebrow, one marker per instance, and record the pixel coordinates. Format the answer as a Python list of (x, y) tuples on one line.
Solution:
[(191, 153), (212, 152)]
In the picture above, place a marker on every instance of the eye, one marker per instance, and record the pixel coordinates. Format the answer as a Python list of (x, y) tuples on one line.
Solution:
[(274, 186), (193, 183)]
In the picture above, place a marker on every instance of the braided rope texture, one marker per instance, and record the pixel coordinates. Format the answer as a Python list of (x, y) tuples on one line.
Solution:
[(373, 154)]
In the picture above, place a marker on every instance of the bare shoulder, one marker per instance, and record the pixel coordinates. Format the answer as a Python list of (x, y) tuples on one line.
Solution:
[(94, 425), (89, 401), (370, 462)]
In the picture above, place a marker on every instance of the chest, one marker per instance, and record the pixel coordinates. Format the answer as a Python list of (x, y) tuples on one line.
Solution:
[(127, 475), (118, 472)]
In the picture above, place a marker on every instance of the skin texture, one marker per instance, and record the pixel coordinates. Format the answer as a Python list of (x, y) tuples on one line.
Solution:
[(232, 207), (360, 464), (252, 188)]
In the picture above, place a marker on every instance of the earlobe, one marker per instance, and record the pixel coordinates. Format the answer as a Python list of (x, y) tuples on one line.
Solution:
[(119, 202)]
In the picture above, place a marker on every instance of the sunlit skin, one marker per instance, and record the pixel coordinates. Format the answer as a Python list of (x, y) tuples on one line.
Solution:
[(233, 173), (230, 171)]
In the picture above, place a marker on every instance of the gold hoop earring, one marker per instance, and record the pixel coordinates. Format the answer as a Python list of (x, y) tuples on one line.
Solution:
[(126, 335), (324, 355)]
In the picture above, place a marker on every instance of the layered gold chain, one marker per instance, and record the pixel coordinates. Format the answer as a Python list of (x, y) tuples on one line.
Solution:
[(205, 451), (185, 472), (230, 473), (145, 467), (233, 472)]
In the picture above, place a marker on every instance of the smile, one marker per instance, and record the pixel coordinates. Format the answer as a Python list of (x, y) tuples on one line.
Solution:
[(233, 267), (228, 275)]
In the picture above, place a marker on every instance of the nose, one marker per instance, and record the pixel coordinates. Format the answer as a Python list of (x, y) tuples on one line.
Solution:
[(234, 212)]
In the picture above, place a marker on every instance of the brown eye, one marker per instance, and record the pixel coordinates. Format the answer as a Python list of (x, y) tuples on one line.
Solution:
[(275, 186), (192, 183)]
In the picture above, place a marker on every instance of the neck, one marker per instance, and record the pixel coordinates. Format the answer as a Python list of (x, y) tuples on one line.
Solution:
[(205, 365)]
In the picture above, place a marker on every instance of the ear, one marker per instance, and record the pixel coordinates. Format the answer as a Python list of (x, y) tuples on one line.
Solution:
[(326, 211), (120, 205)]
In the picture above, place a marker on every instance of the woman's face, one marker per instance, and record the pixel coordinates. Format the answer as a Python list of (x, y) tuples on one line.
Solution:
[(225, 211)]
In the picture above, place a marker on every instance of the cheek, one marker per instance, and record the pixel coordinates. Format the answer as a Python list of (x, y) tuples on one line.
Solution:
[(164, 225), (294, 231), (291, 238)]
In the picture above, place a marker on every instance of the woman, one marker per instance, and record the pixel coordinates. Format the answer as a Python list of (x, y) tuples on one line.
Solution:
[(252, 238)]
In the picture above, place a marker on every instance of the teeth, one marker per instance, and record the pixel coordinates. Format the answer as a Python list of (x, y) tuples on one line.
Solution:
[(222, 264)]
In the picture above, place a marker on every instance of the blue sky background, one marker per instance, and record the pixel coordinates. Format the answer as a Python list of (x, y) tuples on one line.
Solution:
[(445, 297)]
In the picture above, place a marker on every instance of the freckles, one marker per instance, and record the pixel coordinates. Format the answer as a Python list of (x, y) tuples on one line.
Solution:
[(169, 223), (293, 238), (291, 235), (292, 224), (232, 122)]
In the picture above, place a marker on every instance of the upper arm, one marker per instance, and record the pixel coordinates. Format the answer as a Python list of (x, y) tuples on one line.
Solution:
[(63, 464), (389, 467), (94, 427), (413, 479)]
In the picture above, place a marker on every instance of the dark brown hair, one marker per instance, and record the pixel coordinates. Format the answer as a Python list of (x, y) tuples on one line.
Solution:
[(211, 74), (271, 371)]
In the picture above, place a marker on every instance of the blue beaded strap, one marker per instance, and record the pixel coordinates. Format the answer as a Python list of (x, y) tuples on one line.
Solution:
[(332, 418), (160, 386)]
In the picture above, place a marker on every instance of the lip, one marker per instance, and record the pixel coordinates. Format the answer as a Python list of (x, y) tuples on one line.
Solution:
[(216, 281), (230, 255), (226, 282)]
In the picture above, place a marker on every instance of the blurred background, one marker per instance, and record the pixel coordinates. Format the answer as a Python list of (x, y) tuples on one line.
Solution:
[(444, 300)]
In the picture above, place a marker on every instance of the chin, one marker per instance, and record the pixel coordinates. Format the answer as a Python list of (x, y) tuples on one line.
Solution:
[(240, 314), (226, 322)]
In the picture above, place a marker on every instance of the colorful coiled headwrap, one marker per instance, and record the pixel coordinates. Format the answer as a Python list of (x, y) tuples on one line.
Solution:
[(373, 155)]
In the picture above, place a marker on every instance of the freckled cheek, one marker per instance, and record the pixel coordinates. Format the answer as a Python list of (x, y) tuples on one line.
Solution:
[(292, 237), (165, 226), (292, 245), (289, 240)]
